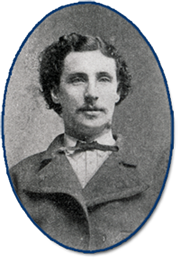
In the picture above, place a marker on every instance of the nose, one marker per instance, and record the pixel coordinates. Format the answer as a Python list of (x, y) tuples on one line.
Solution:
[(91, 93)]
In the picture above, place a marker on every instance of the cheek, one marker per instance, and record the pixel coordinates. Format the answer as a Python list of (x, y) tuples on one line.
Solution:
[(109, 96), (71, 98)]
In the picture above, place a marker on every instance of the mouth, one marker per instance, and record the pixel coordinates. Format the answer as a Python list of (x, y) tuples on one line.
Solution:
[(90, 109), (90, 112)]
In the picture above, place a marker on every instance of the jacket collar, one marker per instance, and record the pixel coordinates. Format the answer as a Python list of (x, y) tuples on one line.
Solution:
[(124, 153), (117, 178)]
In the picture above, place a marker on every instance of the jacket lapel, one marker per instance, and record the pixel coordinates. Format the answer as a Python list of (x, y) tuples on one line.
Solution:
[(56, 175), (116, 179)]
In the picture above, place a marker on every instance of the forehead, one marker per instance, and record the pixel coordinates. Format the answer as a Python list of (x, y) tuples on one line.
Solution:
[(89, 62)]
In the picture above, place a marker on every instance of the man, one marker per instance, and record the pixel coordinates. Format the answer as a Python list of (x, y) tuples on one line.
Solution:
[(84, 191)]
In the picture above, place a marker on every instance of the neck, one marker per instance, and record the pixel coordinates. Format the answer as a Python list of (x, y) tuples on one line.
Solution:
[(89, 136)]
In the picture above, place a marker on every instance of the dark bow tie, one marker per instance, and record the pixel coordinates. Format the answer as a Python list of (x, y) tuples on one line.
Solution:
[(93, 145)]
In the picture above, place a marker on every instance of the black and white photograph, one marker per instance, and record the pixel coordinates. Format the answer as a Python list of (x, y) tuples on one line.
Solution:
[(87, 130)]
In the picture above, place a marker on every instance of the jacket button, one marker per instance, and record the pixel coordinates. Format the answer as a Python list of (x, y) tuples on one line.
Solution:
[(104, 238)]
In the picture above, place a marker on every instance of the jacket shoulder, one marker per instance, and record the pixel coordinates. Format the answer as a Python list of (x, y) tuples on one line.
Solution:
[(26, 169)]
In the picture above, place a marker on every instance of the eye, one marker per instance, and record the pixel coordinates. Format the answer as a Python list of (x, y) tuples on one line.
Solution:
[(77, 80), (104, 79)]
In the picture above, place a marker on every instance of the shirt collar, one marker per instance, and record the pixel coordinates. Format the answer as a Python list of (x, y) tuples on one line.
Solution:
[(104, 139)]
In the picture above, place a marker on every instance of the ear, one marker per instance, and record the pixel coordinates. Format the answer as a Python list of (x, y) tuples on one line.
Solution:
[(118, 95), (117, 98), (55, 96)]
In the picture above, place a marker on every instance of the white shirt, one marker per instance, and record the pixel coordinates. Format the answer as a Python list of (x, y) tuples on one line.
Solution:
[(85, 164)]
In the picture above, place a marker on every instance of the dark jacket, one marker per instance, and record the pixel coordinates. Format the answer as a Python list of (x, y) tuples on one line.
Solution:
[(112, 205)]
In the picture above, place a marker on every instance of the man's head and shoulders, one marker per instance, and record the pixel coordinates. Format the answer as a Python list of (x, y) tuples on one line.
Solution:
[(83, 78)]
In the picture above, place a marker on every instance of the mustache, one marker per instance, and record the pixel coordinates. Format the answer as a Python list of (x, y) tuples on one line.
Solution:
[(91, 108)]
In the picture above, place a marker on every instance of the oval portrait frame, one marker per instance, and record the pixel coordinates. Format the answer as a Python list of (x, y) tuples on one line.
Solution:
[(27, 60)]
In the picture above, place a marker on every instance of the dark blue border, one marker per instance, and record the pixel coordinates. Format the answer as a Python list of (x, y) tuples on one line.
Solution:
[(8, 192)]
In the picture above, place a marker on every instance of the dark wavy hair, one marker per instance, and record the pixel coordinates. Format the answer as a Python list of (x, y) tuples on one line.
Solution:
[(52, 63)]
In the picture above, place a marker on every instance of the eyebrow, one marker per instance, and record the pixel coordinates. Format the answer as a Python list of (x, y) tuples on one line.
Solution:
[(85, 76), (77, 74), (101, 74)]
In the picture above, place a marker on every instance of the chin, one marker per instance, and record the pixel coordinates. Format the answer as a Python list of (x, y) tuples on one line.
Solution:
[(92, 123), (93, 127)]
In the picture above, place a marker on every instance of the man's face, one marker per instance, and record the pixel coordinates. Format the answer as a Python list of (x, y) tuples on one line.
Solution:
[(88, 91)]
